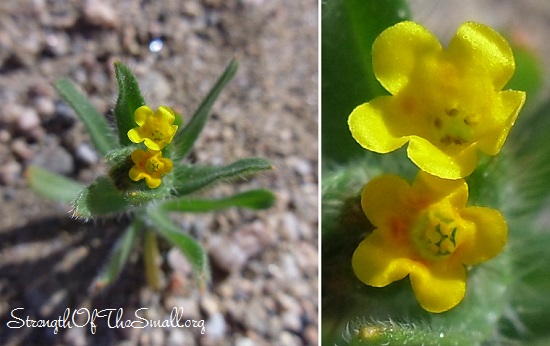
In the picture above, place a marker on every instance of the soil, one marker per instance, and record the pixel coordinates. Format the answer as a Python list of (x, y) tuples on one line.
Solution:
[(265, 264)]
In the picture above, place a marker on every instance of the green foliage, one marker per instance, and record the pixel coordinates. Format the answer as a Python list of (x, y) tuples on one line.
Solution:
[(53, 186), (100, 198), (184, 139), (187, 245), (129, 99), (116, 193), (252, 199), (348, 31), (192, 178), (120, 253), (96, 124)]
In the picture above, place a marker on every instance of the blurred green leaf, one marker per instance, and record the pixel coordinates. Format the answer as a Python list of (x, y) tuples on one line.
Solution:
[(187, 245), (348, 30), (100, 132), (119, 255), (189, 179), (52, 185), (129, 99), (528, 76), (253, 199), (100, 198), (184, 139)]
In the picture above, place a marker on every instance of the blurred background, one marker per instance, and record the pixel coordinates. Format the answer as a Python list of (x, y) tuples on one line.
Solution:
[(265, 280)]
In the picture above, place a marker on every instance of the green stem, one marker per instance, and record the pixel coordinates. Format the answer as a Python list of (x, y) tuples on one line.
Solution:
[(150, 255)]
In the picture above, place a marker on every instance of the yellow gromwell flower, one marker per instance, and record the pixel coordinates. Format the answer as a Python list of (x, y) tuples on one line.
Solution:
[(446, 103), (155, 129), (425, 230), (149, 165)]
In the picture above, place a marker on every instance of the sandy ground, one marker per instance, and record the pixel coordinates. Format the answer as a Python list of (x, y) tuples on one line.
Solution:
[(265, 289)]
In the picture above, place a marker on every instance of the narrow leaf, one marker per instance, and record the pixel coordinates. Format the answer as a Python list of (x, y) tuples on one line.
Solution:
[(52, 185), (101, 133), (254, 199), (129, 99), (119, 256), (100, 198), (185, 139), (192, 178), (187, 245)]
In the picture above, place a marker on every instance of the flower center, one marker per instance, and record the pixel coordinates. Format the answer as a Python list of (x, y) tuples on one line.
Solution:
[(153, 165), (435, 234), (454, 127)]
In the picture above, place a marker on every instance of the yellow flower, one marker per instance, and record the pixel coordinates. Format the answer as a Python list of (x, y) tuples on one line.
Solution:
[(149, 165), (446, 103), (155, 129), (427, 232)]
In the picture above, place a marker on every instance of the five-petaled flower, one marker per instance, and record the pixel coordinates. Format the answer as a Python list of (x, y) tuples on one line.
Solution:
[(425, 230), (149, 165), (446, 103), (155, 129)]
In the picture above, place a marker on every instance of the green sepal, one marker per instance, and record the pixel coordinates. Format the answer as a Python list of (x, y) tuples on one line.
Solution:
[(129, 99), (119, 255), (52, 185), (187, 245), (184, 139), (100, 198), (189, 179), (393, 333), (253, 199), (100, 132)]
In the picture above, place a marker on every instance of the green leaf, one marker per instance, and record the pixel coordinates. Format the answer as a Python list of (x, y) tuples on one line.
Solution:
[(101, 133), (129, 99), (348, 30), (100, 198), (254, 199), (119, 255), (187, 245), (184, 139), (52, 185), (189, 179)]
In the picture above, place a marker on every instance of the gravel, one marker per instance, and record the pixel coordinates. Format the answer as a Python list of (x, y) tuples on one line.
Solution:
[(265, 271)]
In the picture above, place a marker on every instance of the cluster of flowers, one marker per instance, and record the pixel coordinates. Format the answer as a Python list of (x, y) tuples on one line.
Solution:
[(447, 104), (156, 131)]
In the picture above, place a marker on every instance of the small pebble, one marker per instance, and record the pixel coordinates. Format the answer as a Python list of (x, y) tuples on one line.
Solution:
[(215, 326), (100, 13), (86, 154)]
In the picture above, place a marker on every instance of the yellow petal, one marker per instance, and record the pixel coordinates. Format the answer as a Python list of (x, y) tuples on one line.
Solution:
[(370, 129), (439, 286), (511, 103), (166, 114), (478, 45), (397, 50), (141, 114), (487, 239), (436, 189), (135, 174), (377, 263), (138, 156), (382, 198), (436, 162), (173, 130), (134, 136), (152, 145), (168, 165), (152, 182)]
